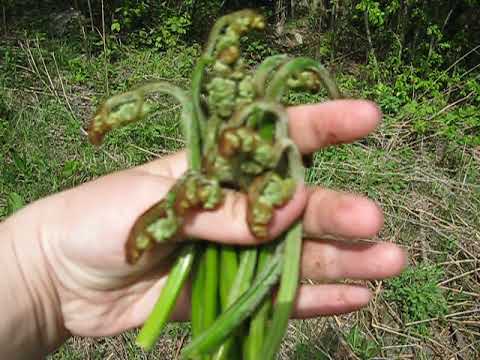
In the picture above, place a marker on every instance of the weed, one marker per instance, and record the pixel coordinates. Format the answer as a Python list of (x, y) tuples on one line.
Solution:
[(418, 296), (362, 346), (306, 352), (257, 48)]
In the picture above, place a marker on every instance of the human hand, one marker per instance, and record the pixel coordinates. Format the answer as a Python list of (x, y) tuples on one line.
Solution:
[(80, 234)]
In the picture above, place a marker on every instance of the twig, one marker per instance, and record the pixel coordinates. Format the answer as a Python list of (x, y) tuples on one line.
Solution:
[(452, 66), (91, 15), (104, 40), (451, 105), (63, 88), (443, 317), (458, 277), (33, 65), (54, 90), (163, 151), (433, 341), (179, 347), (4, 17)]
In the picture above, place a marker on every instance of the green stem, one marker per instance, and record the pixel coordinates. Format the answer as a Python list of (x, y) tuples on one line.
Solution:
[(246, 269), (243, 280), (291, 268), (241, 117), (278, 85), (120, 104), (181, 269), (220, 24), (229, 268), (258, 323), (237, 313), (264, 70), (166, 302), (197, 79), (210, 292), (287, 292), (198, 288)]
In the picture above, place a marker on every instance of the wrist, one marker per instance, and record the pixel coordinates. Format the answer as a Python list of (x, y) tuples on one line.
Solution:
[(32, 325)]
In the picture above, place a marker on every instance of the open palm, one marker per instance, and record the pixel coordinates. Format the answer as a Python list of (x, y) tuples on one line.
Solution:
[(83, 232)]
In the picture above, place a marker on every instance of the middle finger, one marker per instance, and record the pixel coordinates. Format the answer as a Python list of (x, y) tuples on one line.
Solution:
[(341, 214)]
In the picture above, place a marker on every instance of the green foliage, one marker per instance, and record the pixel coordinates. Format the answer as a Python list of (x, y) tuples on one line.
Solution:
[(418, 96), (70, 168), (257, 48), (129, 14), (78, 72), (417, 295), (461, 125), (169, 34), (304, 351), (423, 33), (14, 202), (148, 23), (373, 8), (204, 13), (361, 345)]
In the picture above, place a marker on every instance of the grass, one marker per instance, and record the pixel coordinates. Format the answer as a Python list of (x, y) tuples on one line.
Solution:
[(123, 346), (418, 297), (422, 166)]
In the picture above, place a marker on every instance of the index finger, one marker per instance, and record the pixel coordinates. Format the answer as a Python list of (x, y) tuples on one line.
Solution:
[(311, 127)]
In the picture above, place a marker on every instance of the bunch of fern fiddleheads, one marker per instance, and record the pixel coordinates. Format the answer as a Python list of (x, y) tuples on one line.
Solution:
[(237, 138)]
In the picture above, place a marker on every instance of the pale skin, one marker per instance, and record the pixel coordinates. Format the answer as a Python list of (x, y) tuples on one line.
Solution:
[(63, 261)]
